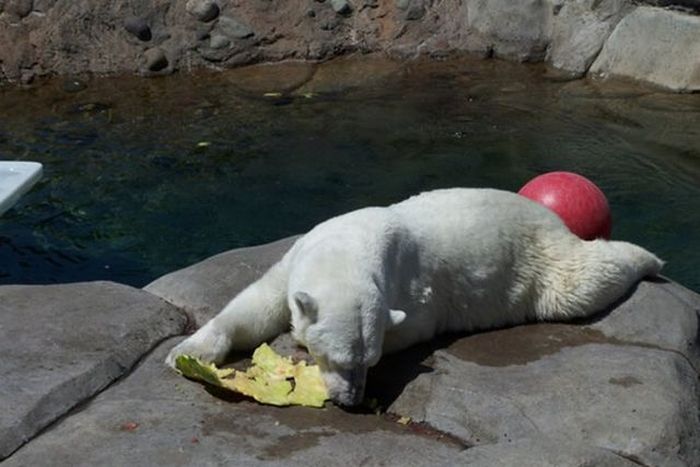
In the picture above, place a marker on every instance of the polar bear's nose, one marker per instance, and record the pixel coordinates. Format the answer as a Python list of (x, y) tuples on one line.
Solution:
[(349, 397), (346, 387)]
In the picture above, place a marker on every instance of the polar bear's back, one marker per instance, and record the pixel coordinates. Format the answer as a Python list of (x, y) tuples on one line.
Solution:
[(474, 207), (474, 242)]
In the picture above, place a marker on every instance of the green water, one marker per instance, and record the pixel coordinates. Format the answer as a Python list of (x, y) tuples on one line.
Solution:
[(129, 193)]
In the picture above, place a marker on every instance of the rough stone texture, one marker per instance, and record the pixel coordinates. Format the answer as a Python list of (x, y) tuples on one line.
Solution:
[(621, 389), (348, 73), (690, 5), (341, 7), (203, 10), (659, 314), (204, 288), (640, 403), (286, 77), (624, 386), (515, 30), (62, 344), (541, 452), (138, 27), (155, 59), (233, 28), (654, 45), (156, 417), (579, 30), (69, 36)]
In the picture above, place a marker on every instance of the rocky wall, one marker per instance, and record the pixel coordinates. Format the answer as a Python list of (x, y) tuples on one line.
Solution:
[(45, 37)]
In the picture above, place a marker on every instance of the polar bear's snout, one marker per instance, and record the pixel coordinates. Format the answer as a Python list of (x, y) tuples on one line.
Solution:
[(346, 386)]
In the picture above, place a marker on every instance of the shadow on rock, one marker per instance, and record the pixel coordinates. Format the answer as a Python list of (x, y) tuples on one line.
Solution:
[(387, 380)]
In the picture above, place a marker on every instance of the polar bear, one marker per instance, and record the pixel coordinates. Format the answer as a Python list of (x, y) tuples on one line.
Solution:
[(380, 279)]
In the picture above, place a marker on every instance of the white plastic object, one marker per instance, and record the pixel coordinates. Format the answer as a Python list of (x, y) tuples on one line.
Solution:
[(16, 178)]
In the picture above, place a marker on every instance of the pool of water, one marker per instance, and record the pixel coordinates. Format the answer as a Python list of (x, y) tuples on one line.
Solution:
[(143, 177)]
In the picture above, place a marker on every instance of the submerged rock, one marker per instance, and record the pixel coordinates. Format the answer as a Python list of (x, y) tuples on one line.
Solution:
[(74, 85)]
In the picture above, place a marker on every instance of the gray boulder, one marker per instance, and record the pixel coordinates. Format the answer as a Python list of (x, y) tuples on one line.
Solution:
[(515, 30), (342, 7), (541, 452), (579, 30), (507, 386), (233, 28), (203, 10), (156, 417), (204, 288), (659, 314), (622, 387), (654, 45), (62, 344)]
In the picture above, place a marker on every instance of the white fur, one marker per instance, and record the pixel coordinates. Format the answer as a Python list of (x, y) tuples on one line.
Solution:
[(378, 280)]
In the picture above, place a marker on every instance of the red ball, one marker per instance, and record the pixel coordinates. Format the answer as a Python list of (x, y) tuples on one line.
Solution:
[(575, 199)]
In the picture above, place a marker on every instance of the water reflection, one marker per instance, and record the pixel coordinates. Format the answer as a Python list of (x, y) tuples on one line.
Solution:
[(146, 176)]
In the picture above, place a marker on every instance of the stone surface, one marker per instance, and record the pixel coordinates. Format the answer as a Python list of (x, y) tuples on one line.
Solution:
[(218, 41), (541, 452), (559, 381), (659, 314), (567, 33), (138, 27), (349, 73), (623, 387), (62, 344), (619, 389), (654, 45), (203, 10), (19, 8), (155, 59), (579, 30), (282, 77), (692, 5), (156, 417), (413, 9), (341, 7), (515, 30), (203, 289), (233, 28)]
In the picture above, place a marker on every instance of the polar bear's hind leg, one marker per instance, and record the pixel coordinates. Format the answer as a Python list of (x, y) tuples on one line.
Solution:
[(589, 276)]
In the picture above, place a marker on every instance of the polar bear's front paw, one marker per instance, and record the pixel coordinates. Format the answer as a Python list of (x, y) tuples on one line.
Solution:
[(206, 344)]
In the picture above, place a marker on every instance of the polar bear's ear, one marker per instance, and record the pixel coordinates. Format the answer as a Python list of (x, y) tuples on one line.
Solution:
[(307, 305), (396, 317)]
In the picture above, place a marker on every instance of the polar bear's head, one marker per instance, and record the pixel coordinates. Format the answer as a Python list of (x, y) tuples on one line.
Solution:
[(344, 333)]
